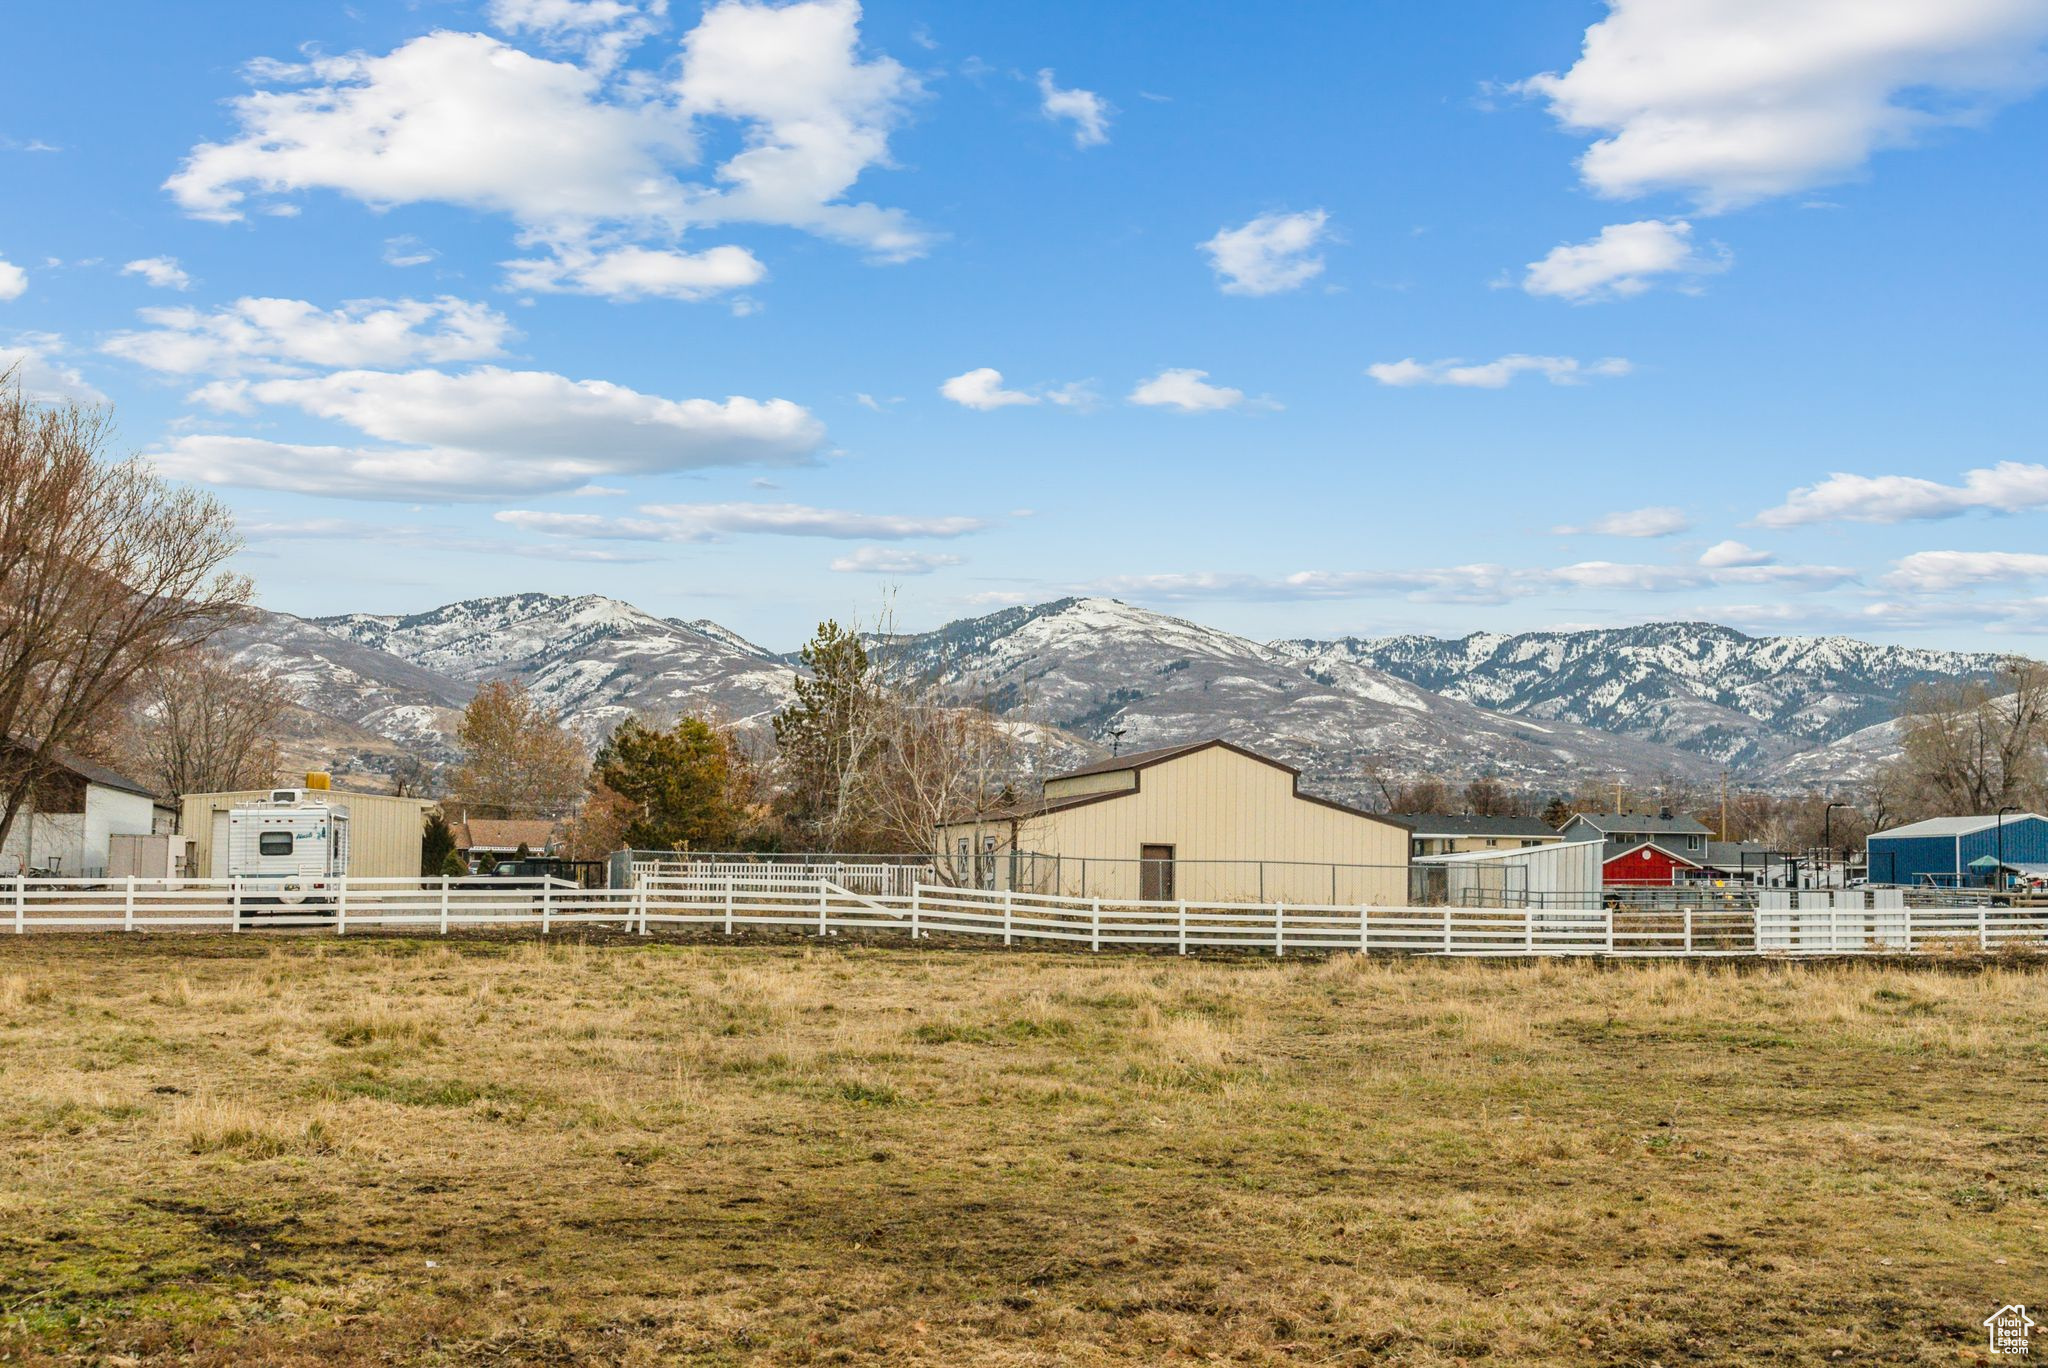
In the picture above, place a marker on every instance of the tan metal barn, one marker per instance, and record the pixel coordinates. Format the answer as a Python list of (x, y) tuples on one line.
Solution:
[(1205, 821), (384, 832)]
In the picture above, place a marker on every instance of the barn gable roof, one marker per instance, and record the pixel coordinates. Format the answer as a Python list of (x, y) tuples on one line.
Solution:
[(1952, 826)]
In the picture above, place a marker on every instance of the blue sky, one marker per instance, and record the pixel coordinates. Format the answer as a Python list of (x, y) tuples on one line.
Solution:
[(1295, 319)]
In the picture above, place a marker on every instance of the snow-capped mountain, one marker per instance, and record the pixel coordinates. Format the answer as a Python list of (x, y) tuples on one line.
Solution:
[(1750, 702), (1093, 666), (595, 660), (1077, 675)]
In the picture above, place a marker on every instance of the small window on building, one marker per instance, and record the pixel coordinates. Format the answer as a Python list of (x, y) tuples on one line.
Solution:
[(1491, 843), (274, 843)]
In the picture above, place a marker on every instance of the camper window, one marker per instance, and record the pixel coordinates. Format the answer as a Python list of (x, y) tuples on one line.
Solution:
[(274, 843)]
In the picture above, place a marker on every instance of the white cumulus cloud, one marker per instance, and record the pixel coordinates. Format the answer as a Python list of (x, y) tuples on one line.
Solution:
[(1623, 259), (637, 272), (1270, 254), (982, 388), (163, 272), (1733, 101), (573, 155), (1186, 390), (482, 434), (13, 280), (1558, 370), (256, 335), (601, 31), (708, 522), (1660, 521), (1937, 571), (1723, 555), (1087, 111), (32, 360), (892, 560), (2004, 487)]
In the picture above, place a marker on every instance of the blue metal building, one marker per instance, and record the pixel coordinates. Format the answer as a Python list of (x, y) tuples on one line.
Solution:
[(1940, 849)]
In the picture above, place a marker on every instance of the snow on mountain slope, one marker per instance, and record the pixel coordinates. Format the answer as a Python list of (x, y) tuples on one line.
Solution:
[(594, 659), (1093, 665), (1747, 701)]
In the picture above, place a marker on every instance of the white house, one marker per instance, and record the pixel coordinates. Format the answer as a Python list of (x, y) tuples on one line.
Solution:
[(65, 825)]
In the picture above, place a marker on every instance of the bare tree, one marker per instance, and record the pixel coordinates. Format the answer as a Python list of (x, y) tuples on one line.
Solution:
[(105, 571), (517, 758), (210, 726), (1974, 746)]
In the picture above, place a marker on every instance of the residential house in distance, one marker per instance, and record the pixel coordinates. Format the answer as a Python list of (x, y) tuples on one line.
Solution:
[(1622, 831), (500, 838), (1435, 834), (1207, 821), (1646, 864), (68, 823)]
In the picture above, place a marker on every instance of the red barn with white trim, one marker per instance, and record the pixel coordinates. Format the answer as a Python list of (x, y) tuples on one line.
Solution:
[(1648, 865)]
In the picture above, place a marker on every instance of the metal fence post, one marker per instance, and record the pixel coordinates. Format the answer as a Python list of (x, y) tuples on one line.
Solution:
[(128, 906), (444, 904)]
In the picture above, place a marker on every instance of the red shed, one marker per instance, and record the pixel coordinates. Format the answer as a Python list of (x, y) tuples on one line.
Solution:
[(1648, 865)]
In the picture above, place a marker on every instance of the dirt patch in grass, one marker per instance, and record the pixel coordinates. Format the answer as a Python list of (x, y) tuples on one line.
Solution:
[(307, 1151)]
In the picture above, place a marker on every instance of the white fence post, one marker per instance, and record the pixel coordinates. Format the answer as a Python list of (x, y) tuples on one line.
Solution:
[(1095, 924), (916, 906), (728, 904), (128, 906), (821, 905), (547, 905), (1183, 926), (640, 901), (1447, 928), (1610, 930), (1529, 929), (341, 902), (1688, 930), (235, 902), (1365, 928), (1007, 915), (444, 904), (1279, 930), (1983, 928), (21, 900)]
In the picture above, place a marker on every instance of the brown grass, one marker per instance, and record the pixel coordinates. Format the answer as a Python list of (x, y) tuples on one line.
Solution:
[(303, 1151)]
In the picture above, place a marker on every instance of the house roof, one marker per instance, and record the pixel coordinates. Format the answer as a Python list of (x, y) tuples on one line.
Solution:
[(1438, 824), (491, 833), (1738, 854), (1146, 759), (1141, 759), (93, 772), (1664, 850), (1628, 823), (1952, 826)]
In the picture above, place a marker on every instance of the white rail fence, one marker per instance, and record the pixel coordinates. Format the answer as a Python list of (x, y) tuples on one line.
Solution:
[(729, 904)]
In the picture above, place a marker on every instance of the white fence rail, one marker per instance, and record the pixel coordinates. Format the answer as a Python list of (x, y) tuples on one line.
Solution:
[(730, 903)]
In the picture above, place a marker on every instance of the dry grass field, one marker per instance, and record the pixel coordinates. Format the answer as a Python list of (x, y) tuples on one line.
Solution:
[(306, 1151)]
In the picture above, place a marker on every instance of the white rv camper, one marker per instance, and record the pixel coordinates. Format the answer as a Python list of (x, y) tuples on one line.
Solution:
[(291, 846)]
